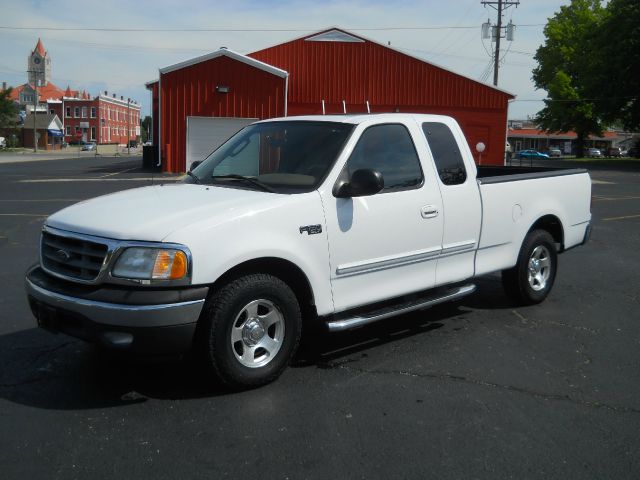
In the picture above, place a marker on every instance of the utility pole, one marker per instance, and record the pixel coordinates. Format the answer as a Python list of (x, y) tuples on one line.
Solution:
[(35, 107), (128, 128), (500, 6)]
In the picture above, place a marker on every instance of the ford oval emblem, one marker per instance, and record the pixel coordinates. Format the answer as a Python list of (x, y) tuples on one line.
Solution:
[(62, 256)]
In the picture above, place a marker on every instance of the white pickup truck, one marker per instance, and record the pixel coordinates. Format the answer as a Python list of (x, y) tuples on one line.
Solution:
[(343, 220)]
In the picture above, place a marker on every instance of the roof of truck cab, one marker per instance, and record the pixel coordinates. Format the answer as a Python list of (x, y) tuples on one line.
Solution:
[(359, 118)]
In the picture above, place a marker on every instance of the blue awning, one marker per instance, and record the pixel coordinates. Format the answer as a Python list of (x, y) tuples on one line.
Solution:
[(55, 133)]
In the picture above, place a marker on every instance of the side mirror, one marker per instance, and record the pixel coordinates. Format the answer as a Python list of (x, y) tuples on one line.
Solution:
[(363, 182), (194, 165)]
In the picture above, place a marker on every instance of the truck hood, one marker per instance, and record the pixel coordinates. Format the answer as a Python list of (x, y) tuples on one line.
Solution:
[(152, 213)]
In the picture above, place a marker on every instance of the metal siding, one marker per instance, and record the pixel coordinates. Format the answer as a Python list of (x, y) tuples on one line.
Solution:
[(357, 72), (190, 91)]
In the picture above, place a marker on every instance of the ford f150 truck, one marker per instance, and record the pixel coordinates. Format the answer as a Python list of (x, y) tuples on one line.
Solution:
[(343, 220)]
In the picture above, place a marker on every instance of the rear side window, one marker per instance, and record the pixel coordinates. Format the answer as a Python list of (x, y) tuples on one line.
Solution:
[(446, 153), (388, 149)]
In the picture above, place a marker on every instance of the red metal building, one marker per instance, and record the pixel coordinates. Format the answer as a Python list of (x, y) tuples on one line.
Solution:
[(333, 71)]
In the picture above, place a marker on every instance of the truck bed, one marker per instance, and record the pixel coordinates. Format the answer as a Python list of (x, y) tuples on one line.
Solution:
[(500, 174)]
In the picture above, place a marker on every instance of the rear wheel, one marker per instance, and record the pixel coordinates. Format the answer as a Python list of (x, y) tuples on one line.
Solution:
[(531, 279), (250, 331)]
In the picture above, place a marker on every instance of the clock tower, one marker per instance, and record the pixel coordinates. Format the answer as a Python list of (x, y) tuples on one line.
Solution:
[(39, 66)]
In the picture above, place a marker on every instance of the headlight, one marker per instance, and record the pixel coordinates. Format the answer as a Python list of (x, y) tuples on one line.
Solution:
[(142, 263)]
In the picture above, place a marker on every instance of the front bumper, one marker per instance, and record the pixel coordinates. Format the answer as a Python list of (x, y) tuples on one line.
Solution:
[(154, 321)]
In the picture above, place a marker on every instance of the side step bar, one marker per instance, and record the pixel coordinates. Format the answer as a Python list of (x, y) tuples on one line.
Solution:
[(399, 309)]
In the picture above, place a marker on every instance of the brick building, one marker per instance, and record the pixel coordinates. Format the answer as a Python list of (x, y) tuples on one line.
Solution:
[(103, 118)]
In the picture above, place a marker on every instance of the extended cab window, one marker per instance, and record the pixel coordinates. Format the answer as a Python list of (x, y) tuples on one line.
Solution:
[(389, 150), (446, 153)]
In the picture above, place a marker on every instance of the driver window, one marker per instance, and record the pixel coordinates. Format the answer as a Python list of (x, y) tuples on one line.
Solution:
[(389, 150)]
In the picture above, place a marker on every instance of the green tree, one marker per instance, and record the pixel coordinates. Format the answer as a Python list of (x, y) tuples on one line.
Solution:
[(145, 128), (617, 64), (566, 71), (8, 109)]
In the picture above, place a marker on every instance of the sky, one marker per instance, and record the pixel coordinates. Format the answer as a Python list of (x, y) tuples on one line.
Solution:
[(445, 33)]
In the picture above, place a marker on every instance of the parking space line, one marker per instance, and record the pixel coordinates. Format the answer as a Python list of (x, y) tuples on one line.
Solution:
[(44, 200), (59, 180), (117, 173), (602, 182), (24, 215), (620, 218), (597, 198)]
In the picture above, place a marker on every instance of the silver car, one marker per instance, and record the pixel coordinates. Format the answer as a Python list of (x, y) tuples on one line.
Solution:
[(594, 152)]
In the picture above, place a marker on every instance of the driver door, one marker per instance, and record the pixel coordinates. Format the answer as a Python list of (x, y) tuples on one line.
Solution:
[(384, 245)]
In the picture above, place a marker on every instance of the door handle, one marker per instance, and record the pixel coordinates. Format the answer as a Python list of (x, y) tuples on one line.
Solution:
[(429, 211)]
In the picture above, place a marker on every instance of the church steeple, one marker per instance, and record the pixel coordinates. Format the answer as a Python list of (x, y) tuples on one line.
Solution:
[(40, 48), (39, 66)]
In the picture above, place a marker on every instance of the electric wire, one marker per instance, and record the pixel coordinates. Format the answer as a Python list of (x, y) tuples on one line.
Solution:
[(239, 30)]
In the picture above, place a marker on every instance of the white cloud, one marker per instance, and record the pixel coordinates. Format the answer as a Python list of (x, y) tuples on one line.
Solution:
[(123, 61)]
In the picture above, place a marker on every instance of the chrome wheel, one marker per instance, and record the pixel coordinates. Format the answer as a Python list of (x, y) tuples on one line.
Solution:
[(257, 333), (539, 268)]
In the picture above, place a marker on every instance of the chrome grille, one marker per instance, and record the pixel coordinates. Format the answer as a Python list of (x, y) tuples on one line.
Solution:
[(72, 257)]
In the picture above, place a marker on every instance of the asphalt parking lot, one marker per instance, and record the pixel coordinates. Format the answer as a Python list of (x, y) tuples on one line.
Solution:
[(480, 389)]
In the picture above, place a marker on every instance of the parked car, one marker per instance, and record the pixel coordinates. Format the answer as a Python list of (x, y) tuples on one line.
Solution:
[(634, 152), (555, 152), (531, 154), (594, 153), (89, 146), (614, 152)]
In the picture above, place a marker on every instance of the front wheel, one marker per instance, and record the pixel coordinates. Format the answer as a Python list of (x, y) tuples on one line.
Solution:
[(250, 331), (531, 279)]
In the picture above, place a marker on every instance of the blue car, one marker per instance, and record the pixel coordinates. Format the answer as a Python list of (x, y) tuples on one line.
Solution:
[(531, 154)]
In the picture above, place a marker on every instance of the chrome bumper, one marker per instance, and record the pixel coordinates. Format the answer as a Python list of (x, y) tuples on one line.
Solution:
[(117, 315)]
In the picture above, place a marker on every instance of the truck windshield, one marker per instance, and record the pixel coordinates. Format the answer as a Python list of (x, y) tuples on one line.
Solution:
[(281, 157)]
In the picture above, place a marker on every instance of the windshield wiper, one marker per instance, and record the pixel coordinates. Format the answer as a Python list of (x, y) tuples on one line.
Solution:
[(253, 181), (196, 179)]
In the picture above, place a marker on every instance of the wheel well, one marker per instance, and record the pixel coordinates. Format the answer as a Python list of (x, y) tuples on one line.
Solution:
[(285, 270), (551, 224)]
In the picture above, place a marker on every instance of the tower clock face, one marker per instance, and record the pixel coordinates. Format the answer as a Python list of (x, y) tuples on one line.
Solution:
[(36, 60)]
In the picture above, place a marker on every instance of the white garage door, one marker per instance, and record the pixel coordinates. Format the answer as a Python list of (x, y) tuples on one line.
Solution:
[(205, 134)]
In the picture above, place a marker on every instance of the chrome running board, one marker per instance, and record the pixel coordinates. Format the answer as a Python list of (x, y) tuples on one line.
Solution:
[(398, 309)]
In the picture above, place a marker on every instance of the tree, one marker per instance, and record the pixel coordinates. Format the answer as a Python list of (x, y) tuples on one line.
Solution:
[(8, 109), (146, 128), (566, 71), (617, 63)]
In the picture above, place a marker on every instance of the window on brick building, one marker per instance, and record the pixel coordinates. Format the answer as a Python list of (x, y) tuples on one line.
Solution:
[(76, 112), (78, 129), (68, 112), (84, 112), (68, 130), (93, 112), (52, 111), (93, 133)]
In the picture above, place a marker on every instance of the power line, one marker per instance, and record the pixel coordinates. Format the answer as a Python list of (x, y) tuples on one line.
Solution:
[(577, 100), (241, 30)]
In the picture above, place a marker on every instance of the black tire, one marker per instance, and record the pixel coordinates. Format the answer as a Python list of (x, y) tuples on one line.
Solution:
[(226, 317), (528, 289)]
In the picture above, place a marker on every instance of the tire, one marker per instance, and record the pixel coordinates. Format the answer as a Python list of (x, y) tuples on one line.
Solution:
[(250, 330), (531, 279)]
